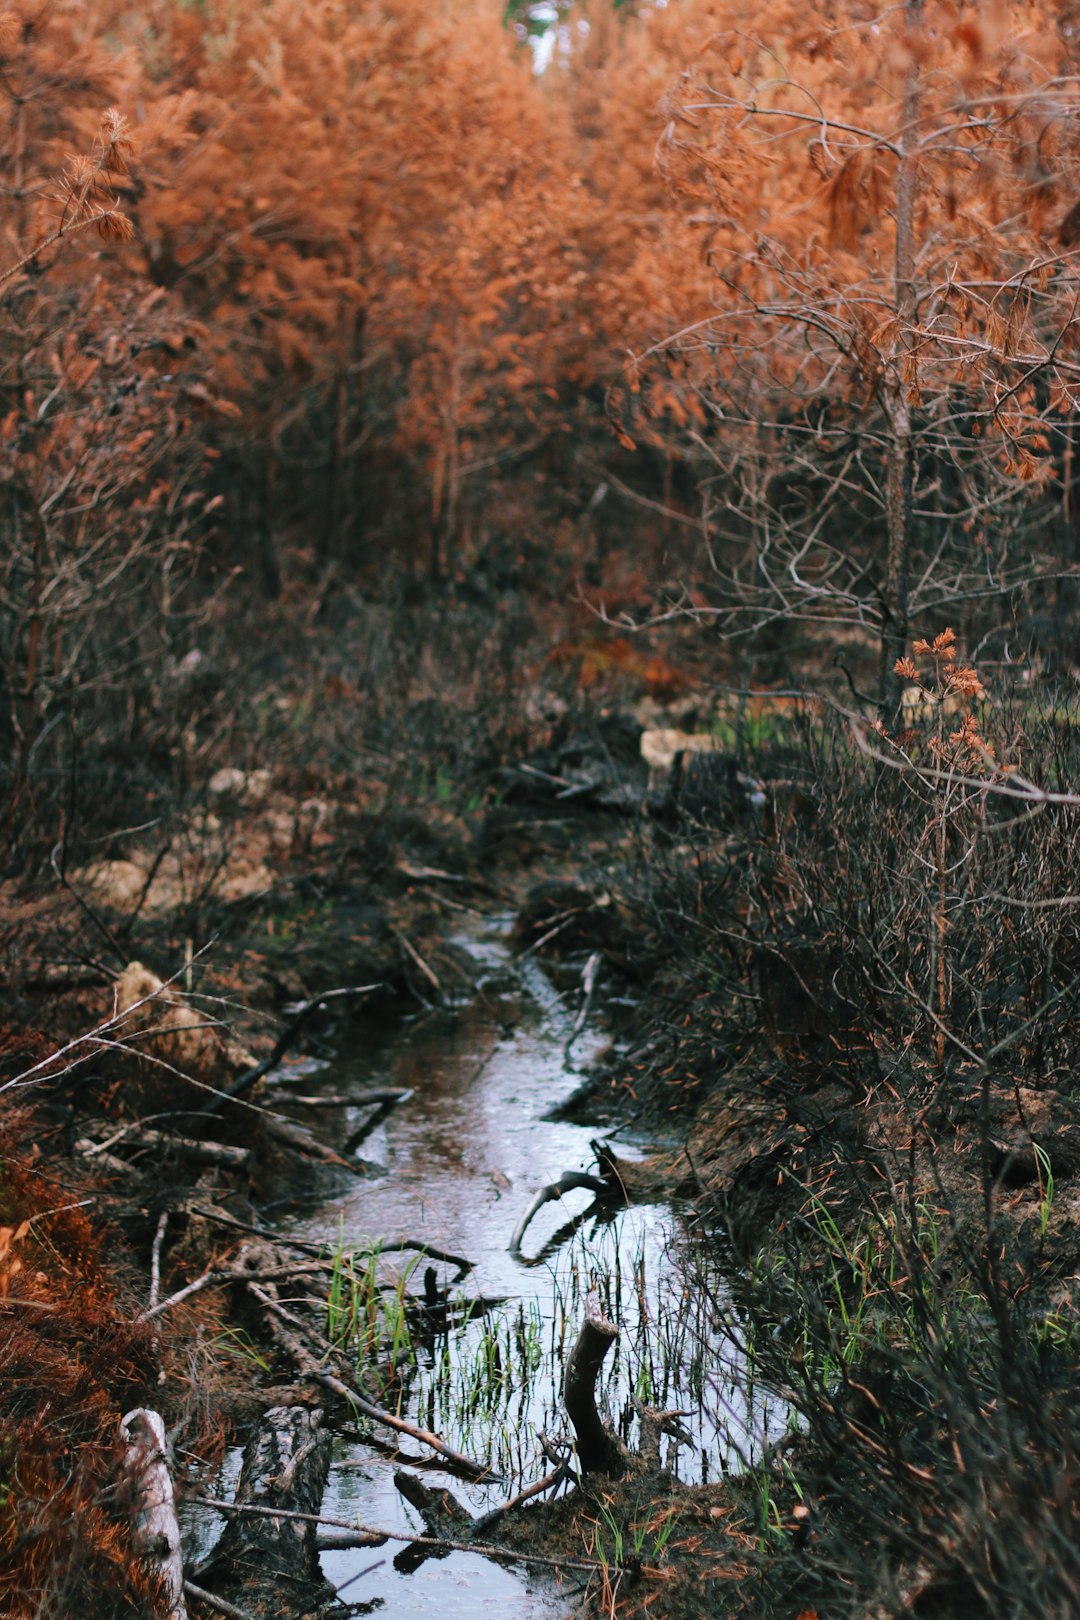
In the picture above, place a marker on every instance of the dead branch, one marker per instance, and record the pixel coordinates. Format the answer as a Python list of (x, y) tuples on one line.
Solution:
[(588, 985), (180, 1147), (250, 1077), (146, 1484), (155, 1259), (212, 1601), (568, 1182), (302, 1141), (282, 1325), (551, 1481), (429, 973), (379, 1536), (390, 1245)]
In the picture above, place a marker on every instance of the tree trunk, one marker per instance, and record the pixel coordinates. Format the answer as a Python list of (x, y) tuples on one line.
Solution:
[(900, 381)]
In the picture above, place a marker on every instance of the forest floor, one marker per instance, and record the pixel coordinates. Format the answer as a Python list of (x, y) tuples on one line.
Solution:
[(904, 1242)]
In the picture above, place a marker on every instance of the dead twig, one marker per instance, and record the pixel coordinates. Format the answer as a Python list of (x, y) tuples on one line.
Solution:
[(379, 1537)]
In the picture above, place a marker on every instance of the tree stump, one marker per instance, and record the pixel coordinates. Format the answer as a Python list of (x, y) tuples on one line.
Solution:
[(599, 1451)]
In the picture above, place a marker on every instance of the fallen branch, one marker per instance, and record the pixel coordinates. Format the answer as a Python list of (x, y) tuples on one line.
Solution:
[(379, 1112), (180, 1147), (429, 973), (549, 1482), (302, 1140), (392, 1245), (212, 1601), (146, 1484), (227, 1274), (569, 1182), (316, 1250), (378, 1537), (378, 1097), (155, 1259), (588, 985), (312, 1367)]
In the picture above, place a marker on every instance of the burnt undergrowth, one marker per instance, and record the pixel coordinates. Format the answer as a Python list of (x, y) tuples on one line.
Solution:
[(864, 972)]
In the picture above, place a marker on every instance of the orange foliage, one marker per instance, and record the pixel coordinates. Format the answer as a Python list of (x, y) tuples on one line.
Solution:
[(70, 1363)]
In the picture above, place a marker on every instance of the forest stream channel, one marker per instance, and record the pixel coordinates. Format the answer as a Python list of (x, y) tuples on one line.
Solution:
[(478, 1344)]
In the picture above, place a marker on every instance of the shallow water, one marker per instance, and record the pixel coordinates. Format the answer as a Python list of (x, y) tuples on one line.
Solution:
[(463, 1158)]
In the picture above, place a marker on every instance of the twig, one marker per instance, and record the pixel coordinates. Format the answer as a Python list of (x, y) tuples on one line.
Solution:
[(155, 1259), (212, 1601), (380, 1536)]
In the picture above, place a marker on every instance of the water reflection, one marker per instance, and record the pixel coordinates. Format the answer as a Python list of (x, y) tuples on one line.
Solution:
[(464, 1158)]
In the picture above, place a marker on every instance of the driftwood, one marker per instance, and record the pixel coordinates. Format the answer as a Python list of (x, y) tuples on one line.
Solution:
[(599, 1452), (263, 1556), (555, 1189), (146, 1484)]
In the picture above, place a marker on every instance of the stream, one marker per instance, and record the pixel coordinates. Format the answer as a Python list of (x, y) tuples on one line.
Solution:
[(457, 1165)]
